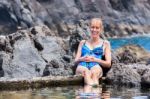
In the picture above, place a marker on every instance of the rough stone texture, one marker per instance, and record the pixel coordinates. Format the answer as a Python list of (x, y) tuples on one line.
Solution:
[(25, 60), (121, 18), (39, 82), (132, 68), (37, 52), (52, 50), (123, 74), (146, 77), (132, 54), (143, 71), (31, 51)]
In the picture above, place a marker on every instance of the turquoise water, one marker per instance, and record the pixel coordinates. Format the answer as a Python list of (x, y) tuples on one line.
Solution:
[(143, 41), (78, 92)]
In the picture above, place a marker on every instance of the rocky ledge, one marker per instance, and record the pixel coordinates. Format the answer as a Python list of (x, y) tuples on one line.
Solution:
[(39, 82), (33, 53), (36, 57), (133, 67)]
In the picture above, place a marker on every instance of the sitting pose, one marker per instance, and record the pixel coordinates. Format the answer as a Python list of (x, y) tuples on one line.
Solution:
[(90, 52)]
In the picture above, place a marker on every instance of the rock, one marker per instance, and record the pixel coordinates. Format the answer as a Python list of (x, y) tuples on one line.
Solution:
[(134, 74), (148, 62), (2, 43), (140, 68), (52, 50), (39, 82), (73, 42), (26, 62), (146, 78), (32, 50), (38, 45), (132, 54), (46, 71), (120, 18), (122, 74), (127, 57), (4, 62), (67, 58), (57, 68), (1, 64), (41, 30), (54, 63)]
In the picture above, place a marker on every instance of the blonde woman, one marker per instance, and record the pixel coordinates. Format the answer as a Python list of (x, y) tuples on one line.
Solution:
[(90, 52)]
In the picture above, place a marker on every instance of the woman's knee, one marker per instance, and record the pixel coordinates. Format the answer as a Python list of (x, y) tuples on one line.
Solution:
[(81, 69), (96, 71)]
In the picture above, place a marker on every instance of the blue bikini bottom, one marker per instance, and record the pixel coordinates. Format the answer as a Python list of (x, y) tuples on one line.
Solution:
[(88, 65)]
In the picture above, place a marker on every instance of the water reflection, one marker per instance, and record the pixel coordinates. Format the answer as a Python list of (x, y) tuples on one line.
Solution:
[(90, 92), (79, 92)]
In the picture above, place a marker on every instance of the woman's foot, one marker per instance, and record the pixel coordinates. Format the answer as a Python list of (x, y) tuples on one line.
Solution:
[(92, 84)]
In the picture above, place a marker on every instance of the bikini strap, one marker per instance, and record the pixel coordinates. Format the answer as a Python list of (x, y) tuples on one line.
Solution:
[(84, 42), (102, 43)]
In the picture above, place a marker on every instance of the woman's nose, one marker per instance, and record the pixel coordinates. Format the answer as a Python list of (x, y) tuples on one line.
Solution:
[(94, 29)]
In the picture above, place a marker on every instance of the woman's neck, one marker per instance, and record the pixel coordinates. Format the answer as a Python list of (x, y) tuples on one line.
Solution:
[(95, 39)]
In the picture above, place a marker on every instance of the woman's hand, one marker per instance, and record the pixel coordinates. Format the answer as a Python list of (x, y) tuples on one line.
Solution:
[(89, 58)]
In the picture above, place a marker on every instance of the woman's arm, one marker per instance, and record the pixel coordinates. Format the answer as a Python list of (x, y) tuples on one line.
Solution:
[(78, 57), (107, 62)]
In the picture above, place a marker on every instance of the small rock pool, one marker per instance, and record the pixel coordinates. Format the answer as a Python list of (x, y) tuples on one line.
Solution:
[(79, 92)]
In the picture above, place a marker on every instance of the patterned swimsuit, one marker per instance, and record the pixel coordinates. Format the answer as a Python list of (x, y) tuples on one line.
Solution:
[(96, 52)]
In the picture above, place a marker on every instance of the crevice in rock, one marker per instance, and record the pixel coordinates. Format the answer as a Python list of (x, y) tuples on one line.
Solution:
[(37, 69), (1, 69), (37, 45), (46, 71), (47, 1), (33, 31)]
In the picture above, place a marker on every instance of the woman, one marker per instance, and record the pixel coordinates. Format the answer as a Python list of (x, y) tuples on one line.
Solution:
[(90, 52)]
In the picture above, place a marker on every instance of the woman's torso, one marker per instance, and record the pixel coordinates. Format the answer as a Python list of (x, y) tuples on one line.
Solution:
[(97, 51)]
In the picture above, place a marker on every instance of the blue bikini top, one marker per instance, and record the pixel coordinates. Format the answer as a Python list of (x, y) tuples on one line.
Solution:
[(96, 52)]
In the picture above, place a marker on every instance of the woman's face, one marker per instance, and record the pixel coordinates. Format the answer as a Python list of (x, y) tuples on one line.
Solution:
[(95, 28)]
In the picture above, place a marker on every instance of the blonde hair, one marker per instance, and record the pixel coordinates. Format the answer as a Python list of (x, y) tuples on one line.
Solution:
[(100, 22)]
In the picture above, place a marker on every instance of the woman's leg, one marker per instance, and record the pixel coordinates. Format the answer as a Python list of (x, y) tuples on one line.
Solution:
[(85, 72), (96, 72)]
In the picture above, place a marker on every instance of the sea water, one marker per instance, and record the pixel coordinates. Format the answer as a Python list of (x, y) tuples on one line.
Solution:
[(143, 41)]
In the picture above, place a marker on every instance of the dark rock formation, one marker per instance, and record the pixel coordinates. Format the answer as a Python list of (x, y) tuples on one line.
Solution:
[(123, 74), (132, 54), (30, 53), (132, 68), (1, 69), (121, 18), (146, 78)]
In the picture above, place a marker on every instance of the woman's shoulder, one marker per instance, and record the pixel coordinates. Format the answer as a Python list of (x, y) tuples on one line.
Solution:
[(106, 43)]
